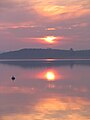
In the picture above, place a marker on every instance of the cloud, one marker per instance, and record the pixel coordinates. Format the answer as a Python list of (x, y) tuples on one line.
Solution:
[(37, 18), (16, 11), (61, 11), (35, 11)]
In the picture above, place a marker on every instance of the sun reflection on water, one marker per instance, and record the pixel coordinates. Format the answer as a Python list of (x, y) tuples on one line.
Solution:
[(49, 93), (54, 107), (50, 76)]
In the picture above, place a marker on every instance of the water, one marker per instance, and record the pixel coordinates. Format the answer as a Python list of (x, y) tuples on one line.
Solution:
[(45, 90)]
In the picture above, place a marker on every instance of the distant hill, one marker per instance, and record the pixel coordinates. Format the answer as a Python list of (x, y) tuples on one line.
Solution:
[(46, 54)]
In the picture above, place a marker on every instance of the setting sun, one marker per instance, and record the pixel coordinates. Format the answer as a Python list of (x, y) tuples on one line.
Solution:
[(50, 39), (50, 76)]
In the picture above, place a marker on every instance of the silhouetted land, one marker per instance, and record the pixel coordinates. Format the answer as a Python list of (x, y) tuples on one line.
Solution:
[(46, 54)]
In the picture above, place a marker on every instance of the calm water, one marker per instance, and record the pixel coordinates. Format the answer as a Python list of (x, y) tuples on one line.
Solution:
[(45, 90)]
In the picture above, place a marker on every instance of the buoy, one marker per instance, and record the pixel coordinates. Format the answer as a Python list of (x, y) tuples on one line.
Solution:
[(13, 77)]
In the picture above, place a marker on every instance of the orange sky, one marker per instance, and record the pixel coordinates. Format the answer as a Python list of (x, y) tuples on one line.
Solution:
[(24, 23)]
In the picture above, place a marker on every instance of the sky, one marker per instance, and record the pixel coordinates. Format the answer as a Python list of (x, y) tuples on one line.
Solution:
[(60, 24)]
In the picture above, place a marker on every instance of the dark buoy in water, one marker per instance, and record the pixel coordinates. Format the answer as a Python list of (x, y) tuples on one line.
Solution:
[(13, 77)]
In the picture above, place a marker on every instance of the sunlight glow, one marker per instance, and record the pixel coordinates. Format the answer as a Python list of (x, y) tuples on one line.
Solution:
[(61, 10), (50, 76), (49, 39)]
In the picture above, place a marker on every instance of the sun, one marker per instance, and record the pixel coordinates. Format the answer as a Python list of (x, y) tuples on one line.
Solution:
[(49, 39), (50, 76)]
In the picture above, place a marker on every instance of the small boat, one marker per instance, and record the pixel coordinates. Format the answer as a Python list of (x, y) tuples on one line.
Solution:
[(13, 77)]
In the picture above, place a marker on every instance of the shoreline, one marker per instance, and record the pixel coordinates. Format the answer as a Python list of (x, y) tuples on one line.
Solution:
[(44, 60)]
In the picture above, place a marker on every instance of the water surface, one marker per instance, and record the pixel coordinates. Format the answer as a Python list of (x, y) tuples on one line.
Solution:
[(47, 90)]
